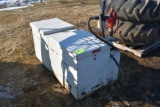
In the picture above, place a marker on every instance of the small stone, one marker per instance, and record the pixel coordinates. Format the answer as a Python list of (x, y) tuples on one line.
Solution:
[(126, 103), (9, 84), (76, 6)]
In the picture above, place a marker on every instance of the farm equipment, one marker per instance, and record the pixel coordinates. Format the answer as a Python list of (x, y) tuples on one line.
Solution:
[(137, 29), (82, 61), (110, 18), (138, 21)]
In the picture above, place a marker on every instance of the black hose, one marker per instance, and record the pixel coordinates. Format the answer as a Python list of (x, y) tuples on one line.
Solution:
[(119, 67), (101, 25), (100, 38), (103, 7), (102, 16), (105, 41)]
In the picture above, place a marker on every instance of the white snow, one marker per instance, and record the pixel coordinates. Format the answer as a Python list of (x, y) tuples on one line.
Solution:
[(6, 92), (13, 8)]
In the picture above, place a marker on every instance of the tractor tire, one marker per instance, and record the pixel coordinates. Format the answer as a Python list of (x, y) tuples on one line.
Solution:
[(135, 10), (137, 34)]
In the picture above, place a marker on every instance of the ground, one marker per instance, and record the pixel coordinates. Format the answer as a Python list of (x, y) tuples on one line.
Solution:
[(24, 81)]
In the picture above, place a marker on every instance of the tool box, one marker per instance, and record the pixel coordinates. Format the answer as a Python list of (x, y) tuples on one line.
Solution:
[(80, 61)]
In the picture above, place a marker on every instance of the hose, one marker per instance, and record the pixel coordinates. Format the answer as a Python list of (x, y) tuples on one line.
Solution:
[(100, 38), (119, 67), (104, 40)]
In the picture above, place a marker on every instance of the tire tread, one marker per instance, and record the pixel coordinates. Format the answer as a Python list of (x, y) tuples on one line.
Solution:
[(135, 10), (136, 34)]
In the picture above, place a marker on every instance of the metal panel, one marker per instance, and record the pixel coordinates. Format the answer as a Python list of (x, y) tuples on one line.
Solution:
[(92, 70), (51, 26), (42, 52), (65, 74), (96, 71), (91, 73), (40, 28), (68, 42)]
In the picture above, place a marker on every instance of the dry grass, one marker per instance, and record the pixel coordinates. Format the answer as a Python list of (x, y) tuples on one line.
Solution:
[(34, 85)]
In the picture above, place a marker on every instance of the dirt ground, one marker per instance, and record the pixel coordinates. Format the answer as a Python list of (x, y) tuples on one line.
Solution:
[(24, 81)]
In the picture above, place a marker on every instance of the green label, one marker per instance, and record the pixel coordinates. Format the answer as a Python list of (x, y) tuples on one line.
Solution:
[(80, 51)]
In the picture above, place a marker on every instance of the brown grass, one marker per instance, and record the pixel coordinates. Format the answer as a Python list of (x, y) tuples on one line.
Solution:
[(34, 85)]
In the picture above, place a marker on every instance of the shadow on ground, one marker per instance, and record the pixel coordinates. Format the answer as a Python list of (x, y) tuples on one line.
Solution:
[(34, 85), (31, 85)]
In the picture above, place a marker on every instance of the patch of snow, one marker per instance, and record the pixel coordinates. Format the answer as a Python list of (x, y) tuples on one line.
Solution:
[(13, 8), (17, 4), (6, 92)]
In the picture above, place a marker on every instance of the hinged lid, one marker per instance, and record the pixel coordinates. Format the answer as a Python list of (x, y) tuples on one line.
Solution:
[(51, 26), (78, 43)]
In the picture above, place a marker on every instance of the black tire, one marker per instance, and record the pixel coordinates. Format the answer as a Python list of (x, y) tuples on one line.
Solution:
[(137, 34), (135, 10)]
